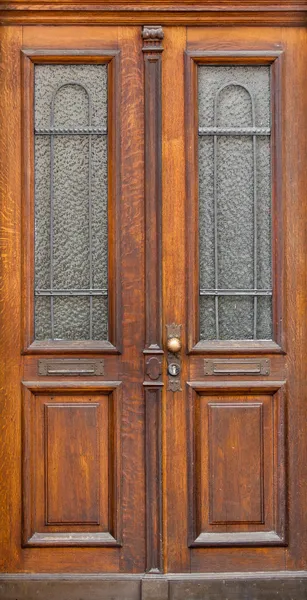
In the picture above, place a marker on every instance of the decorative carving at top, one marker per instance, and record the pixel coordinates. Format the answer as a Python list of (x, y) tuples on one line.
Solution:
[(152, 36), (173, 330)]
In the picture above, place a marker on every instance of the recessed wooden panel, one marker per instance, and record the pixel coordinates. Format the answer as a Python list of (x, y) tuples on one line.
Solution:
[(73, 461), (237, 484), (235, 463), (71, 451)]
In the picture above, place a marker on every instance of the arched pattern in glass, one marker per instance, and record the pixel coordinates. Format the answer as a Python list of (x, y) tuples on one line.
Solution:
[(235, 203), (71, 231)]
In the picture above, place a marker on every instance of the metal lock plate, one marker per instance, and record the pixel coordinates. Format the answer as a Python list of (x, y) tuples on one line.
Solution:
[(173, 369)]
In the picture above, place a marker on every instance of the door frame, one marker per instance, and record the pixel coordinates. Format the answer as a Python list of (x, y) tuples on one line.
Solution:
[(153, 585)]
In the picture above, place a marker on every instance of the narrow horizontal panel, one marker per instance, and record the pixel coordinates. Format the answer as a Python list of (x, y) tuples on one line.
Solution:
[(235, 366), (68, 366)]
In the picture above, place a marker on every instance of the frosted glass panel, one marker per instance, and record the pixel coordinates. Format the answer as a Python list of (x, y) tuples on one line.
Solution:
[(234, 153), (71, 191)]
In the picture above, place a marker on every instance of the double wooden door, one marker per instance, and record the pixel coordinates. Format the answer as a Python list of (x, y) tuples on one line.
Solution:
[(153, 304)]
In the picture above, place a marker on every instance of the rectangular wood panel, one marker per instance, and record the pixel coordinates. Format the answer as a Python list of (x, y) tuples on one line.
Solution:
[(235, 471), (71, 465), (72, 462), (237, 462)]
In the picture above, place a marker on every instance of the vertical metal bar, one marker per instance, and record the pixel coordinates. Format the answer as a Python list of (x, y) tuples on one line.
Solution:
[(51, 220), (216, 266), (255, 235), (255, 216), (90, 213)]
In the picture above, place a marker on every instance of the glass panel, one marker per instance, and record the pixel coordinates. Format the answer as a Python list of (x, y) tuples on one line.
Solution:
[(71, 195), (234, 155)]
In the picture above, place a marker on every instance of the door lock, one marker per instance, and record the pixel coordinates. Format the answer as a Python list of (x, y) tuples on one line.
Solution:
[(173, 369), (174, 345)]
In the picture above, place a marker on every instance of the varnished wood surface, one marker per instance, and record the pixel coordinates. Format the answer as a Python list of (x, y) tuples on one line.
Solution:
[(226, 12), (174, 297), (121, 504), (276, 470), (225, 41)]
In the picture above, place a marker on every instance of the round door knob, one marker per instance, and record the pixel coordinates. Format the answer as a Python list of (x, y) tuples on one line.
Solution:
[(173, 344)]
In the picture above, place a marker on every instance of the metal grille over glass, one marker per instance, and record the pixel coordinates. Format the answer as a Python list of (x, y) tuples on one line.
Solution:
[(234, 155), (71, 192)]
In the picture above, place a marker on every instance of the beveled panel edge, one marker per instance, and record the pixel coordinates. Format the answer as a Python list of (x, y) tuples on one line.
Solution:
[(237, 539), (259, 387), (71, 386), (72, 539)]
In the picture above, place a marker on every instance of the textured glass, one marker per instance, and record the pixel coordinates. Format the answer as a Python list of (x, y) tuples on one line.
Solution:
[(71, 191), (234, 155)]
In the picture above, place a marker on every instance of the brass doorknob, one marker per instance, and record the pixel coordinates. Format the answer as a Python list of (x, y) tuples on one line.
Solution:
[(173, 344)]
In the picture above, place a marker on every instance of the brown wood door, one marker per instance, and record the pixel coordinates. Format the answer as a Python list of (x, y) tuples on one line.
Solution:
[(234, 283), (153, 307), (73, 300)]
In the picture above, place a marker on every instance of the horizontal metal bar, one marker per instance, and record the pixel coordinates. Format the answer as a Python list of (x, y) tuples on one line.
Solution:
[(234, 292), (234, 131), (98, 292), (72, 131)]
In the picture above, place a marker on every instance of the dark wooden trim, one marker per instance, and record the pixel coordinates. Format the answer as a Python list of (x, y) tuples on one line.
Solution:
[(193, 58), (276, 537), (240, 12), (272, 585), (29, 58), (114, 198), (278, 212), (90, 538), (153, 449), (152, 52)]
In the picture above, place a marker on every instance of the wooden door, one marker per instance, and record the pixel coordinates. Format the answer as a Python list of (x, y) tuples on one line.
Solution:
[(235, 435), (73, 300), (153, 301)]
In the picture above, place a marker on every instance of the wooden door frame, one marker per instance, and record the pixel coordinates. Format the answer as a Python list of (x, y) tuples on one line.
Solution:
[(13, 16)]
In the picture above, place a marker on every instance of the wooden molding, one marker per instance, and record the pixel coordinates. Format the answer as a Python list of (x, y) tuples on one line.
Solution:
[(29, 58), (237, 12), (153, 445), (152, 49)]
